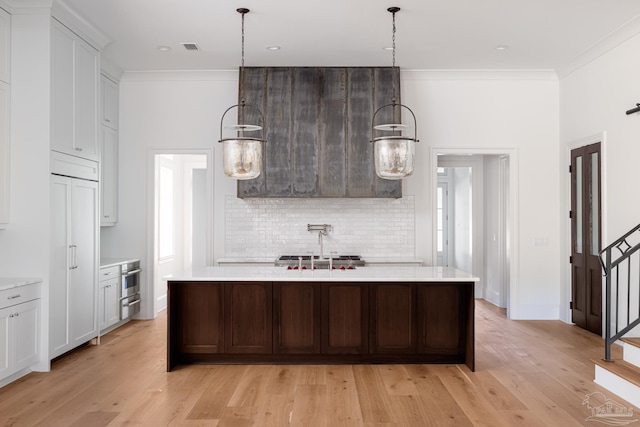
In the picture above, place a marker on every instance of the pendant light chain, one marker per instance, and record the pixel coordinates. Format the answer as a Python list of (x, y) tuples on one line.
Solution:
[(242, 63), (393, 11), (393, 42)]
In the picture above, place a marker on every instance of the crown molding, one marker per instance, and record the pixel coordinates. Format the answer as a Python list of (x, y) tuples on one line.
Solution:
[(187, 75), (478, 75), (26, 7), (609, 42), (79, 25)]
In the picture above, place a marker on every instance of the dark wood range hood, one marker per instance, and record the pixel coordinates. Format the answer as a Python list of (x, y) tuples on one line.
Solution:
[(318, 128)]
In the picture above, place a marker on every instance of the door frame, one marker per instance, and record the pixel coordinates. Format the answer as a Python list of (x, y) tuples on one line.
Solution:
[(514, 244), (150, 293), (565, 291)]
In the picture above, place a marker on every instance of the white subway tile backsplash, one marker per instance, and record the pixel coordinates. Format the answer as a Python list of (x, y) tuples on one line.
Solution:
[(266, 228)]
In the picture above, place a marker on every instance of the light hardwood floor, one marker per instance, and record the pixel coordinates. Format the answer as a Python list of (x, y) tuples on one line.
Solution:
[(529, 373)]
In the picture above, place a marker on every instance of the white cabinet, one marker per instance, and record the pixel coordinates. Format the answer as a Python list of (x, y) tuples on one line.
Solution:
[(75, 75), (74, 264), (109, 176), (109, 92), (5, 116), (5, 46), (19, 329), (5, 155), (109, 312)]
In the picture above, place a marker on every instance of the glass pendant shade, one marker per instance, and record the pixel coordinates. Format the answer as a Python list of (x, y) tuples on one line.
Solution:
[(242, 155), (394, 157), (242, 158)]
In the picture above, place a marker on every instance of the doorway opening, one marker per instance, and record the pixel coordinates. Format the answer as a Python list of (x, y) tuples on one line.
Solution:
[(181, 217), (474, 218)]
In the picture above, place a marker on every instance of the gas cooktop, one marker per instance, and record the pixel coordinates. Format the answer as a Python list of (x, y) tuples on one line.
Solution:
[(337, 261)]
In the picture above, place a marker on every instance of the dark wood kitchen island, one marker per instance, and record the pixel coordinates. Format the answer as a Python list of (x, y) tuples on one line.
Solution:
[(231, 315)]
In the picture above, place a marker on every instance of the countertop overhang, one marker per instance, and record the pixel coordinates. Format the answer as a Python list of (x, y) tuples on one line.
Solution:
[(16, 282), (362, 274)]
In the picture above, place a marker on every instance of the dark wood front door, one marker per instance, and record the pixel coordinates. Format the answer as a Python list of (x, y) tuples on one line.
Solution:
[(586, 275)]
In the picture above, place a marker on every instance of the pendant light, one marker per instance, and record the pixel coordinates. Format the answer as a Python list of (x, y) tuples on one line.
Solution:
[(393, 152), (242, 154)]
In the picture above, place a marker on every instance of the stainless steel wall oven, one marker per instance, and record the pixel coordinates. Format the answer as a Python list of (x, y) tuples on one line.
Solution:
[(130, 300)]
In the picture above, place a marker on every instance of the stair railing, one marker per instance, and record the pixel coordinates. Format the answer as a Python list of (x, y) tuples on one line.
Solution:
[(622, 272)]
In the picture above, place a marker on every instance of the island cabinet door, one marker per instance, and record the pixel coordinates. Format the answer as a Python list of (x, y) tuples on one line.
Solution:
[(345, 318), (393, 318), (248, 317), (296, 315), (199, 328), (442, 318)]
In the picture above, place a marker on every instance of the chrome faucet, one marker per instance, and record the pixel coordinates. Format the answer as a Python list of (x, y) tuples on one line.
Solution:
[(323, 230)]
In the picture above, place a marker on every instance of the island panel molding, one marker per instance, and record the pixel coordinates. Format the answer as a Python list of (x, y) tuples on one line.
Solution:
[(323, 319)]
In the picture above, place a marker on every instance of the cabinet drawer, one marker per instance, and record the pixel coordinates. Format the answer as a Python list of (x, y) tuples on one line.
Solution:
[(13, 296), (109, 272)]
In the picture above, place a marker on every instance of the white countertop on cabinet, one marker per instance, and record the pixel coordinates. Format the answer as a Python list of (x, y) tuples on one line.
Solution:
[(15, 282), (361, 274), (110, 262)]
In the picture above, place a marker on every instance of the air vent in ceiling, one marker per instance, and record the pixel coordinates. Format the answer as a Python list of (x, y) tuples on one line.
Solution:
[(190, 46)]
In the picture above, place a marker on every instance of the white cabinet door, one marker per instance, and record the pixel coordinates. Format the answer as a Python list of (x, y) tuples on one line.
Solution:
[(109, 302), (75, 74), (60, 264), (73, 295), (62, 89), (82, 280), (5, 46), (5, 344), (109, 176), (87, 79), (5, 155), (26, 338), (109, 102), (19, 337)]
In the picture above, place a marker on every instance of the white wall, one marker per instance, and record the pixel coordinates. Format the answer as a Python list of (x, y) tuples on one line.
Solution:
[(501, 111), (593, 101)]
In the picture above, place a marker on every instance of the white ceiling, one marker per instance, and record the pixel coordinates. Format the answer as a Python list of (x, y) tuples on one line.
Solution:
[(431, 34)]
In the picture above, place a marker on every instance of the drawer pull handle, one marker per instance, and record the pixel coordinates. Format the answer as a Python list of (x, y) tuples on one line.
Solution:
[(14, 296)]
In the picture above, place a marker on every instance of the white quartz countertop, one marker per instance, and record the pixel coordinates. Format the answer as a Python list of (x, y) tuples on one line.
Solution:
[(110, 262), (361, 274), (367, 260), (15, 282)]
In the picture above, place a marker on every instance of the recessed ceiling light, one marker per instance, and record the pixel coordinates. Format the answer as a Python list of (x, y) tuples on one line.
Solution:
[(389, 48), (163, 48), (273, 47), (502, 47)]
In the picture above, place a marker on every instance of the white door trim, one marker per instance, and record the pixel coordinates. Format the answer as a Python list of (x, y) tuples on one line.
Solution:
[(148, 294), (513, 292)]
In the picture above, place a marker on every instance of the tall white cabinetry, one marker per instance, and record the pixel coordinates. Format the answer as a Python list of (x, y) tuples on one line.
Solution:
[(5, 118), (74, 262), (109, 152), (75, 76)]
